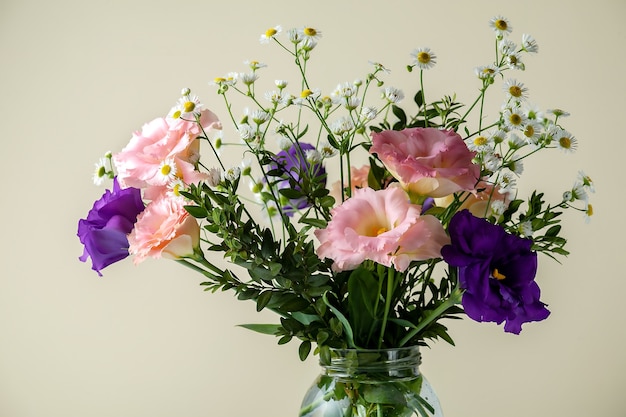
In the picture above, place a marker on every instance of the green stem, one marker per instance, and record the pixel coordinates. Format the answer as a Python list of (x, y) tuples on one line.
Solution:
[(390, 288)]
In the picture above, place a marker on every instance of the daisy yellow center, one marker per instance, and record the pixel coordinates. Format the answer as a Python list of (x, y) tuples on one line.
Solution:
[(306, 93), (166, 169), (176, 190), (589, 210), (565, 142), (219, 80), (501, 24), (176, 114), (189, 106), (310, 31), (515, 119), (515, 91), (529, 131), (423, 57), (270, 32), (513, 59), (497, 275), (488, 71), (480, 141)]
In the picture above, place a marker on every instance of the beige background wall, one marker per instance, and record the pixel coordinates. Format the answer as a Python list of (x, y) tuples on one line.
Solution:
[(78, 77)]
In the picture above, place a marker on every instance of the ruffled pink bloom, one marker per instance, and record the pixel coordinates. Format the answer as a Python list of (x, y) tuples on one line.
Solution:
[(164, 229), (138, 164), (382, 226), (427, 161)]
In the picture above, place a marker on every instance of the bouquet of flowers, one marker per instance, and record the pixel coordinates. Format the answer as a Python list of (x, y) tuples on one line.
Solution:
[(430, 227)]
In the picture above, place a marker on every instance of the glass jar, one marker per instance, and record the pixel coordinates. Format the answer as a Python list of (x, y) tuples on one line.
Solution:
[(371, 383)]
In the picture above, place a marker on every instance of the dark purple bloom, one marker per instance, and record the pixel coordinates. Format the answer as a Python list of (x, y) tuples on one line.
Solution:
[(295, 167), (108, 223), (496, 270)]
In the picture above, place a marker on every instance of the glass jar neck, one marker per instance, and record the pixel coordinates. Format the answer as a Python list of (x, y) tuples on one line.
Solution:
[(397, 363)]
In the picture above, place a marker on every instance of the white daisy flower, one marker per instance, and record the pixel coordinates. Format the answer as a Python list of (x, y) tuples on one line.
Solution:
[(507, 183), (342, 126), (500, 25), (247, 78), (516, 166), (311, 33), (557, 112), (424, 58), (379, 67), (533, 112), (498, 136), (186, 108), (586, 181), (485, 72), (393, 95), (497, 207), (313, 156), (479, 144), (280, 84), (532, 131), (232, 174), (259, 116), (507, 47), (514, 61), (526, 229), (516, 142), (588, 213), (515, 89), (529, 44), (327, 150), (174, 188), (344, 90), (270, 34), (246, 132), (255, 65), (369, 113), (100, 172), (284, 143), (295, 36), (167, 171), (352, 103), (276, 97), (565, 141), (514, 118), (579, 192), (491, 161), (246, 167)]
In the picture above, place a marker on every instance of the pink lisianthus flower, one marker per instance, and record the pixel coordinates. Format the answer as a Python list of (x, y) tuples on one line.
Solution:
[(427, 162), (164, 229), (163, 139), (382, 226)]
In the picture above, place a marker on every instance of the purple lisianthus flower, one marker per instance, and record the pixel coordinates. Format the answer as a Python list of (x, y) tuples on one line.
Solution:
[(496, 270), (104, 231), (296, 166)]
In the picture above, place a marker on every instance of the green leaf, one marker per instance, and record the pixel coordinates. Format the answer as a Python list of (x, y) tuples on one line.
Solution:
[(400, 114), (263, 299), (304, 350), (318, 223), (342, 319), (362, 301), (271, 329), (197, 212), (419, 98), (383, 394)]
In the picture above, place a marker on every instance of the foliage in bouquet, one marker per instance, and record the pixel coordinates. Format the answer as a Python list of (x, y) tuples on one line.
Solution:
[(431, 227)]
